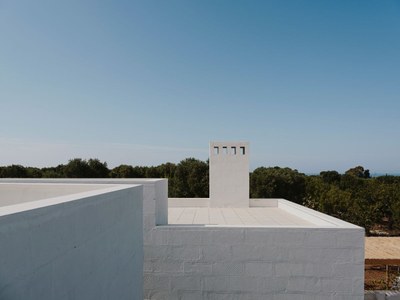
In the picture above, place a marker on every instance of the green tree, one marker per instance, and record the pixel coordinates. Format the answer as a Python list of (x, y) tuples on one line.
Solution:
[(352, 204), (358, 172), (385, 198), (77, 168), (191, 179), (350, 182), (53, 172), (139, 172), (315, 187), (14, 171), (388, 179), (122, 171), (33, 172), (395, 206), (278, 183), (98, 169), (168, 170), (330, 176), (152, 172)]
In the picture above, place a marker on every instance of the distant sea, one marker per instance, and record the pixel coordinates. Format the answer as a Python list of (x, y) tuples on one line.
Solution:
[(383, 174), (376, 174)]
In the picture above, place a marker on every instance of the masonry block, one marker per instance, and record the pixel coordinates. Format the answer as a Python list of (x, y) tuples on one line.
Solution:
[(200, 268), (228, 268), (260, 269), (186, 283)]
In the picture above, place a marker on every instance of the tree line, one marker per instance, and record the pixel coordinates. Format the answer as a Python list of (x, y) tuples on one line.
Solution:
[(373, 203)]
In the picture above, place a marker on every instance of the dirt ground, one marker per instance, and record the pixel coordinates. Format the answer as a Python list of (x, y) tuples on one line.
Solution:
[(375, 277)]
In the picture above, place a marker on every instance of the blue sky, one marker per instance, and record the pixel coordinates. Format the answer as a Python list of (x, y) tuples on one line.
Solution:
[(312, 85)]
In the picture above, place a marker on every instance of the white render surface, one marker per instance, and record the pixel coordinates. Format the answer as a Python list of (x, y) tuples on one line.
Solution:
[(16, 193), (229, 174), (155, 197), (155, 193), (86, 245), (198, 262)]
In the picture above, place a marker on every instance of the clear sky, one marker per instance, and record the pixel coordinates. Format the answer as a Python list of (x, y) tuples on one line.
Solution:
[(312, 85)]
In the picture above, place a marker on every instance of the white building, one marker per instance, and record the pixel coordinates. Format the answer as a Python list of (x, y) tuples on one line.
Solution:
[(219, 247)]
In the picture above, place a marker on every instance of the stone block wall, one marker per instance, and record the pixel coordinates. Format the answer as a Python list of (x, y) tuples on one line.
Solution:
[(254, 263)]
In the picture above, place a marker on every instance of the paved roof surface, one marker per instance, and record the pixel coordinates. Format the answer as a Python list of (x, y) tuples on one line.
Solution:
[(253, 216)]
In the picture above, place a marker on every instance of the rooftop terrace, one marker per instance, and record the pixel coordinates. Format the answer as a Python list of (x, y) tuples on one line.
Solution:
[(252, 216), (260, 213)]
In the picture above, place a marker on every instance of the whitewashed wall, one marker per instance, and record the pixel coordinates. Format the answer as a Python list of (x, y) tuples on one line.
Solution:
[(155, 193), (83, 247), (155, 199), (254, 263)]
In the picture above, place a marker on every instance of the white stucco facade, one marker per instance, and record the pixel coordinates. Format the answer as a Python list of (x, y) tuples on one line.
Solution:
[(82, 242)]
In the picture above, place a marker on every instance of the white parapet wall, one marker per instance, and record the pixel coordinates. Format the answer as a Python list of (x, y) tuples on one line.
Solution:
[(155, 193), (82, 242), (206, 262)]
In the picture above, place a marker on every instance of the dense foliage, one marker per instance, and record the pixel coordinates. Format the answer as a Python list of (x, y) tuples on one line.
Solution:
[(373, 203)]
